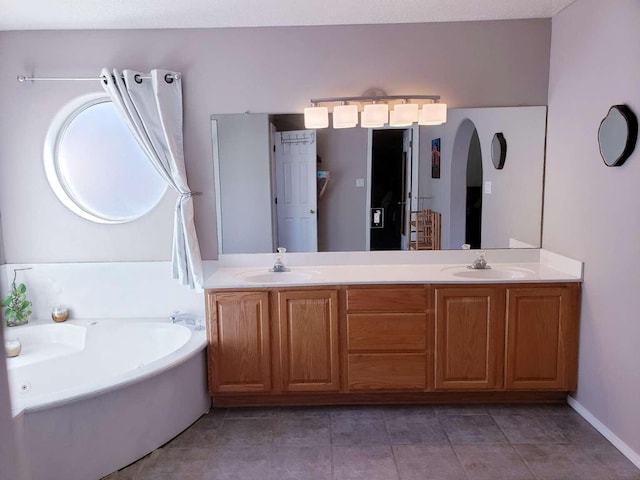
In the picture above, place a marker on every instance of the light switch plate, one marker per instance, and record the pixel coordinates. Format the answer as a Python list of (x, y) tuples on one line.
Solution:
[(359, 182), (487, 188)]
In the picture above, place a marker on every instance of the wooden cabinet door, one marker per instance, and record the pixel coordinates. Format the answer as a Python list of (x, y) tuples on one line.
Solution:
[(469, 338), (542, 336), (308, 333), (239, 353)]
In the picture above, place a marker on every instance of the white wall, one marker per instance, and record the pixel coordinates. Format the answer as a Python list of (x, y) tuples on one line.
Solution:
[(471, 64), (1, 242), (513, 209), (342, 209), (245, 182), (591, 211), (105, 290)]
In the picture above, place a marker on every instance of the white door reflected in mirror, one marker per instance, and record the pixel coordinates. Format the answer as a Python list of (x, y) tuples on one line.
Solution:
[(96, 167)]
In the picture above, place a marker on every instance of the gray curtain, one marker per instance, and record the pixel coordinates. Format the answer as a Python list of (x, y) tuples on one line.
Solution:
[(152, 109)]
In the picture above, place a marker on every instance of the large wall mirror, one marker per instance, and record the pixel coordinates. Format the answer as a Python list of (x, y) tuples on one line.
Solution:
[(327, 185)]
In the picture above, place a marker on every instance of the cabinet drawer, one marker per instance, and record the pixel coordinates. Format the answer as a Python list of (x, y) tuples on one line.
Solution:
[(386, 332), (387, 299), (387, 371)]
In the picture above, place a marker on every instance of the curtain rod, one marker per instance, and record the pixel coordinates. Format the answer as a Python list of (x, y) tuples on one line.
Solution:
[(169, 77)]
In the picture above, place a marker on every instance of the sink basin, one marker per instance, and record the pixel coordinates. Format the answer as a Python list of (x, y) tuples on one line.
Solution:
[(493, 273), (277, 277)]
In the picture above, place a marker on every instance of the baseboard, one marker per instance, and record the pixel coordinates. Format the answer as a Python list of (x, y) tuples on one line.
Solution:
[(625, 449)]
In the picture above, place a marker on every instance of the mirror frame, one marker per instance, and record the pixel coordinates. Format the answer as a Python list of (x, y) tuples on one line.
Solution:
[(501, 142), (632, 134)]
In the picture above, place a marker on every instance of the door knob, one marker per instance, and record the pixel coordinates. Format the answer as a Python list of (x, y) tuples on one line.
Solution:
[(312, 211)]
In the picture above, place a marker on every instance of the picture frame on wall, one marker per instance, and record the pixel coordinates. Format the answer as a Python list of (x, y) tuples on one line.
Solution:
[(435, 158)]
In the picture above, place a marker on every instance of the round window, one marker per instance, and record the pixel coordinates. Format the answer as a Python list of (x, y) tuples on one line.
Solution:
[(96, 167)]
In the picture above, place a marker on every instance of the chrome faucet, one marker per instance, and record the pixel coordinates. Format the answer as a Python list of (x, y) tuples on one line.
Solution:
[(278, 266), (480, 263), (187, 318)]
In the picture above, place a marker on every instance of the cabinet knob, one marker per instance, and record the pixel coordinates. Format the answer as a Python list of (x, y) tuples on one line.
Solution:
[(312, 211)]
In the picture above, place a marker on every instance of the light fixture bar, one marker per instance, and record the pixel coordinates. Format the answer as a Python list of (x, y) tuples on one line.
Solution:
[(375, 98)]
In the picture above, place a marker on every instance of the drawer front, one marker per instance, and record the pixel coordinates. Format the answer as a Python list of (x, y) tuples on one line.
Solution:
[(387, 371), (386, 332), (387, 299)]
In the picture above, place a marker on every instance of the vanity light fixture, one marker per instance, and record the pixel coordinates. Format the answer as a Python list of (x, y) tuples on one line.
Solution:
[(377, 109), (316, 117), (433, 114), (345, 116), (404, 114), (374, 115)]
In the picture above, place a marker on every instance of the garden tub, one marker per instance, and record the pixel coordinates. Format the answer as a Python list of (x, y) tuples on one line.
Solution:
[(92, 396)]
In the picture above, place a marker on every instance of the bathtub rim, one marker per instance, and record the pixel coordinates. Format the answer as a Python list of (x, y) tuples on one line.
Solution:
[(196, 344)]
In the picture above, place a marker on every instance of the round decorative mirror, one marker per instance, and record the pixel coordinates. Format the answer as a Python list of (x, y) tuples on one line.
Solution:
[(498, 150), (96, 167), (617, 135)]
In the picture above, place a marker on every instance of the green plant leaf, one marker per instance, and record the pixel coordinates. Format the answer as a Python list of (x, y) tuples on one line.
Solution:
[(5, 301), (19, 315), (24, 304), (22, 288)]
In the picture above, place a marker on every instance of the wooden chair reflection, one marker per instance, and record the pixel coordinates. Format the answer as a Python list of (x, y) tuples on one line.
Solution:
[(424, 233)]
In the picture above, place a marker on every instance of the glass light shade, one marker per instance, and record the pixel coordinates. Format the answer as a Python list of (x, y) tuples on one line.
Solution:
[(345, 116), (433, 114), (375, 115), (316, 117), (405, 114), (394, 122)]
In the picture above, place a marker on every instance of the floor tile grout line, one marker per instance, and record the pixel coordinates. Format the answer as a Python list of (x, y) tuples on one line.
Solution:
[(333, 476), (513, 447), (451, 446), (393, 453), (524, 460)]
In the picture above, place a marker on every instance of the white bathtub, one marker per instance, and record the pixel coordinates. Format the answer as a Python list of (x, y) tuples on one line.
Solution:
[(90, 397)]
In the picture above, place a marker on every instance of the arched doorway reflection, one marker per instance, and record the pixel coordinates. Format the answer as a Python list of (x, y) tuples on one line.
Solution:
[(473, 212), (466, 187)]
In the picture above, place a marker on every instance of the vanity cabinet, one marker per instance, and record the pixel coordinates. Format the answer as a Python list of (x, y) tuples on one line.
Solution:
[(388, 338), (308, 340), (469, 338), (273, 341), (393, 343), (239, 342), (542, 337)]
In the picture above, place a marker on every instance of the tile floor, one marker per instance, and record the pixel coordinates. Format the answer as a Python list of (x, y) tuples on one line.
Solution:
[(387, 443)]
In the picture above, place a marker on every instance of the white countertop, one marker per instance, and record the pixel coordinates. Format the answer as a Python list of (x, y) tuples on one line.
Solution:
[(246, 271)]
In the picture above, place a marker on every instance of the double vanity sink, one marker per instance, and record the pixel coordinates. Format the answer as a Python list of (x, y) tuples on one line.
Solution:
[(400, 327), (317, 275), (402, 273)]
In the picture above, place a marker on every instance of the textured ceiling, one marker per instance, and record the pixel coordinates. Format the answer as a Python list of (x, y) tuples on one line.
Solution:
[(111, 14)]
